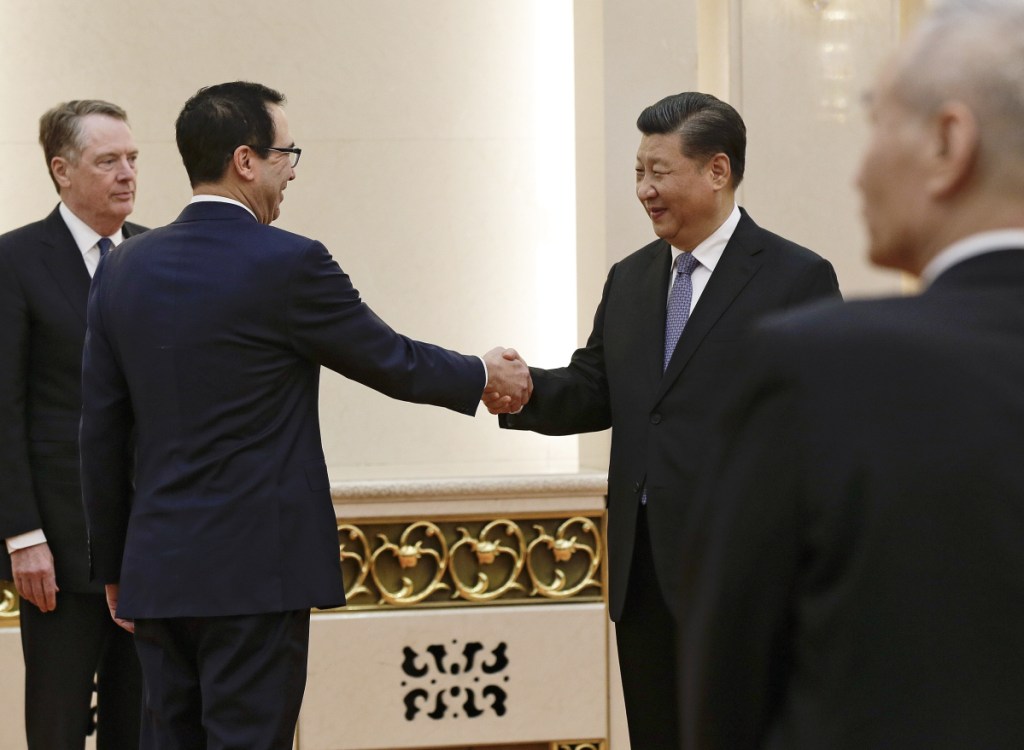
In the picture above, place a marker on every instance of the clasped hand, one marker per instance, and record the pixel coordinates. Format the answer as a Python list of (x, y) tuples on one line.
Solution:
[(509, 384)]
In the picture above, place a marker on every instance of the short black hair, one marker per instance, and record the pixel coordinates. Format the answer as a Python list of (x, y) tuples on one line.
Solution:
[(219, 119), (706, 125)]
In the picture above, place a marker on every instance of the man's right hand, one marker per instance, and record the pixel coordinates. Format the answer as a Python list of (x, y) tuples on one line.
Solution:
[(34, 576), (509, 385), (112, 591)]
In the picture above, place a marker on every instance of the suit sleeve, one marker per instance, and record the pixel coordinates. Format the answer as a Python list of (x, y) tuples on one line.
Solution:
[(572, 399), (106, 444), (737, 634), (330, 324), (18, 509)]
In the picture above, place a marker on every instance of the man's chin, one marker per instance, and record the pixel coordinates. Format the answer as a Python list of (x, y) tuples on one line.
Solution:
[(122, 209)]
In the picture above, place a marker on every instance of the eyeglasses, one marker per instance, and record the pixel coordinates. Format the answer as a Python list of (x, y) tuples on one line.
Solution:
[(294, 153)]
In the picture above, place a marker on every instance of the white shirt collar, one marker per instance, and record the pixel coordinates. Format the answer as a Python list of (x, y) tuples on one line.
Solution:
[(85, 236), (207, 198), (709, 252), (976, 244)]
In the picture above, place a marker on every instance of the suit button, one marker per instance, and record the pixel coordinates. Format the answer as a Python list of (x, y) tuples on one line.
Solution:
[(655, 419)]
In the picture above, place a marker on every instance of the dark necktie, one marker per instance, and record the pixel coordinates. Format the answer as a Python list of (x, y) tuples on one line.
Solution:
[(679, 304), (104, 244)]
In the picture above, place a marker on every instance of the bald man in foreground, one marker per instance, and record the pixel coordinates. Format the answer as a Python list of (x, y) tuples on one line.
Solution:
[(864, 585)]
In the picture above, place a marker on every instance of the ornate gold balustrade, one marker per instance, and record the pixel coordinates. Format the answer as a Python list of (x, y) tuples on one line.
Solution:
[(471, 561)]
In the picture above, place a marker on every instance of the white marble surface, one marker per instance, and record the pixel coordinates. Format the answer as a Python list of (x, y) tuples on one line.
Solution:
[(554, 683), (446, 496)]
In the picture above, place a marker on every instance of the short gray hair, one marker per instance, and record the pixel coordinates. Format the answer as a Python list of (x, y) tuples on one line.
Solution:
[(60, 128)]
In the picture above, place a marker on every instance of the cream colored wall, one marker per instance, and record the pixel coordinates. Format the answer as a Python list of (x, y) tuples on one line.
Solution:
[(800, 90), (437, 167), (454, 154)]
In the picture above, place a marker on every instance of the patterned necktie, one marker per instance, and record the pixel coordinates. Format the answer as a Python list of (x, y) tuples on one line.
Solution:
[(679, 304), (104, 244)]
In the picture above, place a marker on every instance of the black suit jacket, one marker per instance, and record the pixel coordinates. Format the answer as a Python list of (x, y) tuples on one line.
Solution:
[(208, 334), (864, 587), (662, 423), (44, 285)]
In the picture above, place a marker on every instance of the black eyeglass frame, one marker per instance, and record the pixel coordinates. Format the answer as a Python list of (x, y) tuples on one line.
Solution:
[(296, 152)]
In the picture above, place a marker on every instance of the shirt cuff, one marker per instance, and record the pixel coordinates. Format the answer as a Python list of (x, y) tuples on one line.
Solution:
[(487, 375), (28, 539)]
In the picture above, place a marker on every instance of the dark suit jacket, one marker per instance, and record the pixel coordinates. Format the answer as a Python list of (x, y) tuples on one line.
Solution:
[(209, 334), (662, 423), (44, 285), (865, 581)]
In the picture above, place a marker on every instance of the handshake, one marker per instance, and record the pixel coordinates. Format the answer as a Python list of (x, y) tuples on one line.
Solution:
[(509, 384)]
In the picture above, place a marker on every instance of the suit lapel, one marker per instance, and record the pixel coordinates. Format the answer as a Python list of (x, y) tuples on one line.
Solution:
[(738, 264), (64, 261), (651, 302)]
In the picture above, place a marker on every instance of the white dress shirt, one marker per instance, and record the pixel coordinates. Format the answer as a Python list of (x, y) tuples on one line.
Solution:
[(707, 254)]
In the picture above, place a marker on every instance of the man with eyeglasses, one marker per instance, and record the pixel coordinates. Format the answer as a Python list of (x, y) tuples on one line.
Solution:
[(68, 641), (206, 337)]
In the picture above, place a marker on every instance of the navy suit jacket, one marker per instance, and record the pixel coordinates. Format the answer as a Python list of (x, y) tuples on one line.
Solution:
[(207, 336), (864, 587), (662, 423), (44, 286)]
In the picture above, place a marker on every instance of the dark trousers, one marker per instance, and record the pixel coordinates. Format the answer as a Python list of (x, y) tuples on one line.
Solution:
[(222, 683), (646, 640), (66, 652)]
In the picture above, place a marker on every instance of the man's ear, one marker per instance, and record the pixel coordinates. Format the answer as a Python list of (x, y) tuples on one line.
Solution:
[(954, 151), (59, 169), (720, 169), (243, 161)]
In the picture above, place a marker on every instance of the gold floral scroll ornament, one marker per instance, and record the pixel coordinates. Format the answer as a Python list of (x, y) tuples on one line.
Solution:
[(410, 552), (488, 552), (563, 548), (360, 557)]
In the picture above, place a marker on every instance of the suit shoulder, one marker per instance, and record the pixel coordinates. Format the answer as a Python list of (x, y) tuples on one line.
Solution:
[(828, 323), (134, 229), (789, 250), (645, 255), (290, 239), (22, 238)]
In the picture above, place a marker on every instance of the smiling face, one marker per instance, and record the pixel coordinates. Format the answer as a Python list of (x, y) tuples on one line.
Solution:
[(274, 171), (99, 185), (687, 199)]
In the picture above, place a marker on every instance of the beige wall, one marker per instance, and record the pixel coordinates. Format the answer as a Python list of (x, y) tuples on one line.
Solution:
[(437, 167), (468, 162)]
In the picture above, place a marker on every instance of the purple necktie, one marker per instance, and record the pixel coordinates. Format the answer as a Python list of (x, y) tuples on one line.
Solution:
[(679, 304), (104, 244)]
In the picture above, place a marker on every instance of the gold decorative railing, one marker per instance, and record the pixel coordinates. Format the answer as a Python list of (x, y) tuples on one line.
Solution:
[(456, 562), (471, 561), (9, 604)]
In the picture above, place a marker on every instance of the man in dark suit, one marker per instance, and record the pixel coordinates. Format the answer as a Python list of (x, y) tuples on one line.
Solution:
[(207, 337), (67, 638), (864, 585), (660, 398)]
